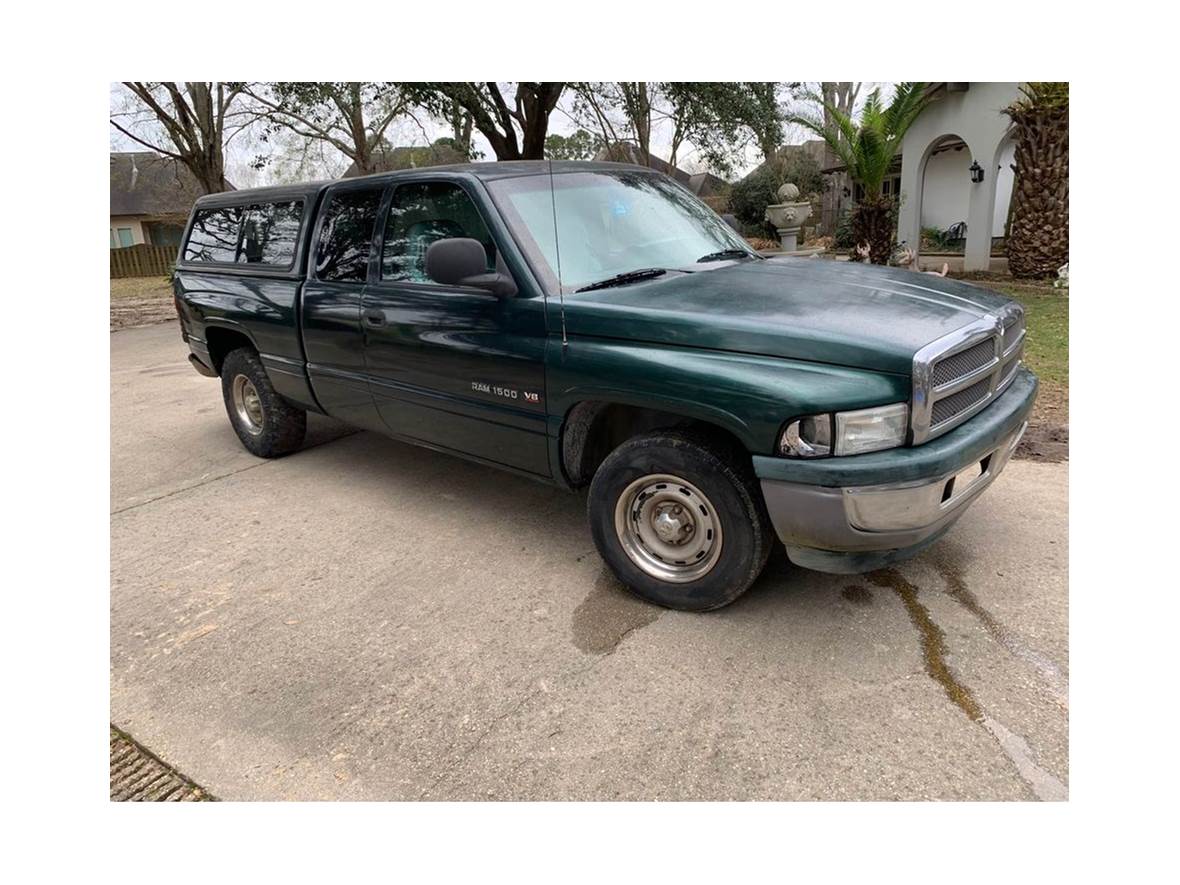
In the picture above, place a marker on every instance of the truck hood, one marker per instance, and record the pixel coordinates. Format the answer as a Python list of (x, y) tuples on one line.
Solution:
[(807, 309)]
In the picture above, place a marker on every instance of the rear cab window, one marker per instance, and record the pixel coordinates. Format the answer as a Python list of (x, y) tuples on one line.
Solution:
[(346, 236), (258, 234)]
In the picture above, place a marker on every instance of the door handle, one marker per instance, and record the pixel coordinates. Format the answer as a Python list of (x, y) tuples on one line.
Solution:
[(375, 317)]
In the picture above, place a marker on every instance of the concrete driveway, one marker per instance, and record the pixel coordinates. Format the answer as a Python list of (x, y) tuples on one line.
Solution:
[(369, 620)]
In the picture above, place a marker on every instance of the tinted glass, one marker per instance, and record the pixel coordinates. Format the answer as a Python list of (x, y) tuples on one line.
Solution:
[(215, 235), (421, 214), (269, 233), (346, 237)]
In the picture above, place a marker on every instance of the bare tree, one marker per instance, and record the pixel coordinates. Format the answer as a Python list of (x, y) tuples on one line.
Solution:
[(496, 119), (717, 119), (842, 97), (351, 117), (194, 119)]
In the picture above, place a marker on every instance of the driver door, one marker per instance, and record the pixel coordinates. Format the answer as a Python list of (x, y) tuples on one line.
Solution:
[(452, 366)]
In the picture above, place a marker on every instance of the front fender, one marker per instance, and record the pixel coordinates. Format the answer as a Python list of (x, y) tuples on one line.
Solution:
[(748, 395)]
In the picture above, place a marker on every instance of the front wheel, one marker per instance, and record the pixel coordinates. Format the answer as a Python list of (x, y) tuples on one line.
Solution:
[(680, 520), (267, 425)]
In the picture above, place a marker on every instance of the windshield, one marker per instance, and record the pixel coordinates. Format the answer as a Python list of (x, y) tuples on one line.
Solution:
[(610, 223)]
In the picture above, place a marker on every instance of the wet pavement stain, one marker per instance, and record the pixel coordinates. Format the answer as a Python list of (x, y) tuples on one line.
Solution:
[(1043, 784), (607, 615), (933, 641), (1050, 673), (858, 595)]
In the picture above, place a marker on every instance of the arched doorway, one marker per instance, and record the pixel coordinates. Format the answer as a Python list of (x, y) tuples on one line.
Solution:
[(945, 194), (1004, 166)]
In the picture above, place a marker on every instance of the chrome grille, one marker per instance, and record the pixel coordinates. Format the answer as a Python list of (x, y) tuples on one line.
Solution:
[(949, 407), (1011, 364), (1013, 327), (960, 373), (963, 363)]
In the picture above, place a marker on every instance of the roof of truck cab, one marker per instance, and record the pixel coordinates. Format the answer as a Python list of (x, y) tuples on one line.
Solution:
[(512, 169), (483, 171), (273, 194)]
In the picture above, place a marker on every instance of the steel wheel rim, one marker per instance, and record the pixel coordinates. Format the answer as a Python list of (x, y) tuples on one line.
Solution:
[(248, 404), (668, 528)]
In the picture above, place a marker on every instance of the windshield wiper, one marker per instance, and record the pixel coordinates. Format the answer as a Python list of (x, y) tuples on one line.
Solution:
[(621, 279), (724, 254)]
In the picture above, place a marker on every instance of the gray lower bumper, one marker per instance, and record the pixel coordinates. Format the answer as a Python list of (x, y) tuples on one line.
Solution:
[(859, 528)]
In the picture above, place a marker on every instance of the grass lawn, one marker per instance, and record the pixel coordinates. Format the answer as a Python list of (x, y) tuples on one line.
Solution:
[(1046, 352), (140, 301)]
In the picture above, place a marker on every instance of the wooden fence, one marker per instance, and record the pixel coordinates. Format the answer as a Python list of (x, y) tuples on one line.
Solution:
[(142, 261)]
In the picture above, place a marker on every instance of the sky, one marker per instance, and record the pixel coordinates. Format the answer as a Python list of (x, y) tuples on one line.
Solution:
[(326, 162)]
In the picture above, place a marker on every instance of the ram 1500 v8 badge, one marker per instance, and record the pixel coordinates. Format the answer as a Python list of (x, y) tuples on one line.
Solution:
[(594, 324)]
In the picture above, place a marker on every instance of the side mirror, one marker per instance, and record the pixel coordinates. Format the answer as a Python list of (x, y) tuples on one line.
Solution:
[(462, 261), (731, 219)]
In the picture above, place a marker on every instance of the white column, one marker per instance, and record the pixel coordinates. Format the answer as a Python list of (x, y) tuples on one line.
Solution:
[(981, 207), (909, 215)]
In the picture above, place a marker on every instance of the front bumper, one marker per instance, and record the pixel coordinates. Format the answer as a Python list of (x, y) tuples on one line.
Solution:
[(855, 514)]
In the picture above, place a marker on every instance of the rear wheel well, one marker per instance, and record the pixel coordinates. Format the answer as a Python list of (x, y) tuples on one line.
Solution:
[(221, 342), (594, 429)]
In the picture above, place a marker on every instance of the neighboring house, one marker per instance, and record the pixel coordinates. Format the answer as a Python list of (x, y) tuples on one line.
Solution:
[(151, 196), (932, 174), (391, 159), (702, 184)]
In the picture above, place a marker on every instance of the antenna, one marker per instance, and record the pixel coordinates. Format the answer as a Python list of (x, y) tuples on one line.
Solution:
[(557, 247)]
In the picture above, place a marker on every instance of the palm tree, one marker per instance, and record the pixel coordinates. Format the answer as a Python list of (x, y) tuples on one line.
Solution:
[(866, 148), (1038, 237)]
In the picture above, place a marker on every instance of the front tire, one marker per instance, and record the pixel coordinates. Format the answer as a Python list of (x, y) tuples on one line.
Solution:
[(267, 425), (679, 519)]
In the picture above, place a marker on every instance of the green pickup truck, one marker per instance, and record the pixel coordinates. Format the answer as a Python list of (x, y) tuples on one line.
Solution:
[(594, 324)]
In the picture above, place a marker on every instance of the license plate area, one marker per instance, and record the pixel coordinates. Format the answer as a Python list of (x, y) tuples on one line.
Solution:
[(964, 480)]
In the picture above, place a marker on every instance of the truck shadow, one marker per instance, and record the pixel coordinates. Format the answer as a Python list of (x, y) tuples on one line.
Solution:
[(540, 516)]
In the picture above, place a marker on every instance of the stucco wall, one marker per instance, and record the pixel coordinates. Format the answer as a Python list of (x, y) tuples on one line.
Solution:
[(945, 190), (975, 116), (1005, 177)]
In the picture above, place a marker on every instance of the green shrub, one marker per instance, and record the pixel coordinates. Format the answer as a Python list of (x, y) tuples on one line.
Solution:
[(843, 232), (749, 197)]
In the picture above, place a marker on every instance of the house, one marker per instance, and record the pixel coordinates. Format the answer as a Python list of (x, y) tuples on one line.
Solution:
[(701, 184), (955, 166), (151, 196)]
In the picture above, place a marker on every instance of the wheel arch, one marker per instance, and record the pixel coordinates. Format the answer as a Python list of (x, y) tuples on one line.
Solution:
[(221, 339), (593, 428)]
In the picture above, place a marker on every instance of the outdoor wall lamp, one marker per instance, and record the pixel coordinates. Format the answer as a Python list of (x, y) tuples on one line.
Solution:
[(976, 172)]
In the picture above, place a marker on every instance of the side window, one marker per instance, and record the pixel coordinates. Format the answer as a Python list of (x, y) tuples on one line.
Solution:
[(346, 237), (420, 214), (214, 236), (269, 233)]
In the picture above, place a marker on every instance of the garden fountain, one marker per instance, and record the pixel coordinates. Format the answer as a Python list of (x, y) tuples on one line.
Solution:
[(788, 216)]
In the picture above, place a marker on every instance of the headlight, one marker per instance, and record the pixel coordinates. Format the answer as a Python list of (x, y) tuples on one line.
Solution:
[(870, 430), (846, 433)]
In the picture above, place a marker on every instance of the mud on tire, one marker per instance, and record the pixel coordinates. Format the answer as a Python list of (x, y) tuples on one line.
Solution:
[(267, 425)]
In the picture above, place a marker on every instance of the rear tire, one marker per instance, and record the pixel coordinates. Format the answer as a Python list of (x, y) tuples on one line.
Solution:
[(679, 518), (267, 424)]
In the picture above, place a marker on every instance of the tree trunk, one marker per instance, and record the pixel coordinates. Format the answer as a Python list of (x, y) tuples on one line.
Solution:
[(872, 224), (538, 101), (1038, 241)]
